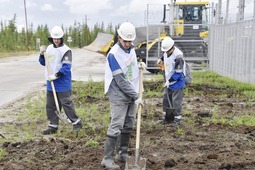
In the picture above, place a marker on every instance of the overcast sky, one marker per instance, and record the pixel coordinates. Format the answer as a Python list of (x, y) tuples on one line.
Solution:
[(58, 12)]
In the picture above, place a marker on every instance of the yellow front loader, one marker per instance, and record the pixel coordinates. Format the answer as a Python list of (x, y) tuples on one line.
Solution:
[(187, 26)]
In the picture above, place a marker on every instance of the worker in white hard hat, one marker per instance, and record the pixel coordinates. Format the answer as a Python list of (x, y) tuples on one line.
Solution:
[(59, 60), (174, 80), (122, 87)]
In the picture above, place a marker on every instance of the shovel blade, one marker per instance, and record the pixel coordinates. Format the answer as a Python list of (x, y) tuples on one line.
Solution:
[(170, 114), (63, 117), (132, 164)]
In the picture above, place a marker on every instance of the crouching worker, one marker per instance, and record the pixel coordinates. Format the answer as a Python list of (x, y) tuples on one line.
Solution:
[(174, 80), (59, 62), (122, 87)]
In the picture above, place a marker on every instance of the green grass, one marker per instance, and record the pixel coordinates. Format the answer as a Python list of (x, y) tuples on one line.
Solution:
[(2, 153), (93, 107), (211, 78), (92, 143), (234, 121), (15, 54), (180, 131)]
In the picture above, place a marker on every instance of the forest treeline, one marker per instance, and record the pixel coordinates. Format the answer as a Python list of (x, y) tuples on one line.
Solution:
[(81, 35)]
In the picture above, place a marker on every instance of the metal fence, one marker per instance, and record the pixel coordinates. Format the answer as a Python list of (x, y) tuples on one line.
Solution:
[(232, 49)]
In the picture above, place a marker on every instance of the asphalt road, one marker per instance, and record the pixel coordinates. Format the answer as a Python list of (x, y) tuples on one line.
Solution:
[(24, 74)]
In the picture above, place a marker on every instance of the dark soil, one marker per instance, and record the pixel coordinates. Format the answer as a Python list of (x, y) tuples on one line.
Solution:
[(198, 143)]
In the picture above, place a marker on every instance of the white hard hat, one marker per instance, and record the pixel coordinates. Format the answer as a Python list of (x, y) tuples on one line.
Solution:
[(56, 32), (127, 31), (167, 44)]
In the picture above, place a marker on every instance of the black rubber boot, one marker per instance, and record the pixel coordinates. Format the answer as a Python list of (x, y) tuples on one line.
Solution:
[(122, 147), (77, 127), (50, 130), (176, 122), (109, 148)]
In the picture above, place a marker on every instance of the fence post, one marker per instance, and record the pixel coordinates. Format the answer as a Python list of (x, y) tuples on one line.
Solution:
[(254, 9), (241, 6), (218, 12), (227, 8), (212, 16)]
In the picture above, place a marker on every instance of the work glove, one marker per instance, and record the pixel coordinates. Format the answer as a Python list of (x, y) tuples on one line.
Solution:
[(138, 101), (52, 77), (167, 83), (159, 62), (142, 65), (42, 49)]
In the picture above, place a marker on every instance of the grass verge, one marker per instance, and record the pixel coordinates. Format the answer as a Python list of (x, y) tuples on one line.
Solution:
[(93, 107)]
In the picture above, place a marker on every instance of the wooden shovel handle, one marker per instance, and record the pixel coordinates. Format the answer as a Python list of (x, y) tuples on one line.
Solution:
[(139, 109), (52, 83)]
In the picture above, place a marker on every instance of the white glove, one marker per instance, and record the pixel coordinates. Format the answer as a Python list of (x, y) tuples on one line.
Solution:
[(159, 62), (167, 83), (42, 49), (139, 101), (142, 65), (52, 77)]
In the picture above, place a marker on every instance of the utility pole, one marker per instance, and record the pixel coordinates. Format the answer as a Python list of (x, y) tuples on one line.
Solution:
[(86, 19), (26, 25), (86, 26)]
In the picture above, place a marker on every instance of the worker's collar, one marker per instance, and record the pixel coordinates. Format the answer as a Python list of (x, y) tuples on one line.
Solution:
[(170, 51), (126, 50)]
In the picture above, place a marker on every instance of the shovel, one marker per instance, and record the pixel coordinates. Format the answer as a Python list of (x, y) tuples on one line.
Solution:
[(137, 163), (62, 116), (169, 111)]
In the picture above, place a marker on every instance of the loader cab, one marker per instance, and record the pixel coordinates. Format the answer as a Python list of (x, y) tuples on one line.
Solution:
[(192, 13)]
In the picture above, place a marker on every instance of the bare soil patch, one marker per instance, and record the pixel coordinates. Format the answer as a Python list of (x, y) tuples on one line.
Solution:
[(197, 143)]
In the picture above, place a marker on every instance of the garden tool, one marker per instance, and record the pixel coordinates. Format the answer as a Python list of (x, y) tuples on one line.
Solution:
[(62, 116), (2, 136), (137, 163), (169, 117)]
